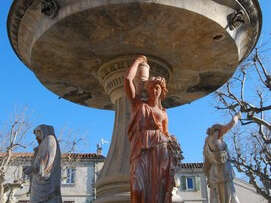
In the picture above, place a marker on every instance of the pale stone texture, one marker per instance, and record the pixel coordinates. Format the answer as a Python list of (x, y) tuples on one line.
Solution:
[(247, 193), (217, 165), (45, 169)]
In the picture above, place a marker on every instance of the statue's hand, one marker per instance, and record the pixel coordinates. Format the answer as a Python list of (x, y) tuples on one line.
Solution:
[(141, 59), (168, 135), (237, 116), (172, 138), (27, 170)]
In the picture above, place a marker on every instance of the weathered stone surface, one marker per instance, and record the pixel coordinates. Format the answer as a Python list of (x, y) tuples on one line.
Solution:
[(45, 169), (192, 37), (217, 164)]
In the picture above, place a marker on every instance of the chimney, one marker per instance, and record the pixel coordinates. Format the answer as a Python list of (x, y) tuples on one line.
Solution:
[(99, 149)]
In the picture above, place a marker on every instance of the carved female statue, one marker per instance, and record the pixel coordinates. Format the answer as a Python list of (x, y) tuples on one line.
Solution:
[(45, 171), (151, 163), (217, 166)]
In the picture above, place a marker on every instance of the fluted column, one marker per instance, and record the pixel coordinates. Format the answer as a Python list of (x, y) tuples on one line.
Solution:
[(113, 183)]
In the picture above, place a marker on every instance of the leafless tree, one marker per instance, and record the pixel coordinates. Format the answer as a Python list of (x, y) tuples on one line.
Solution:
[(249, 92), (69, 140), (11, 139)]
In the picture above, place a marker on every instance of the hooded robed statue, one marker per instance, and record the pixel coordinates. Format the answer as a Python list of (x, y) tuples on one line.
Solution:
[(45, 170)]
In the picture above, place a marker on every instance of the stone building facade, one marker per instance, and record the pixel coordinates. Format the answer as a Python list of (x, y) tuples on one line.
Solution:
[(80, 172), (194, 189)]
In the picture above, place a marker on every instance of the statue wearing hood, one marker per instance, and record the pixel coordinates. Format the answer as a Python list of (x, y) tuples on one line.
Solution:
[(45, 171)]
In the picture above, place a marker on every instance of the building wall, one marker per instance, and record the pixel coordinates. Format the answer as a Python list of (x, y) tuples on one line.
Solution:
[(199, 194), (87, 171), (81, 191), (247, 193), (15, 172)]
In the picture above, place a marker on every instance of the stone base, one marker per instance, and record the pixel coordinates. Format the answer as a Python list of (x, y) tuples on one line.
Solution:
[(113, 189), (123, 197), (176, 197)]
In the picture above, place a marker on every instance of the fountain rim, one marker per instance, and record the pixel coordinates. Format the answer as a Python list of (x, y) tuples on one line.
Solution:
[(13, 5)]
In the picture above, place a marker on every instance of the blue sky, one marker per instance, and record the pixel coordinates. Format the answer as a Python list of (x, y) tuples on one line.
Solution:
[(19, 88)]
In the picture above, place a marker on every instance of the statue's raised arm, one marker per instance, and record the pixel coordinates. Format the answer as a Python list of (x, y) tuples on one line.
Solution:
[(230, 125), (217, 165), (154, 154), (129, 86)]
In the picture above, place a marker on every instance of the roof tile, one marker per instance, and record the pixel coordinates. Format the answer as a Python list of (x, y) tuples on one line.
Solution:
[(191, 165), (65, 155)]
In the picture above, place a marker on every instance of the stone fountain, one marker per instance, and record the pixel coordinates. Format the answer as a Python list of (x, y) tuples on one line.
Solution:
[(80, 49)]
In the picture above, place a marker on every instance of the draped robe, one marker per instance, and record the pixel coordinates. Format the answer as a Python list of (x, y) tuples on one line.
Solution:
[(45, 171), (151, 166), (219, 171)]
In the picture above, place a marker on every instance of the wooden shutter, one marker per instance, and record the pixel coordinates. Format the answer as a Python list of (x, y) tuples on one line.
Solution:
[(198, 183), (183, 183)]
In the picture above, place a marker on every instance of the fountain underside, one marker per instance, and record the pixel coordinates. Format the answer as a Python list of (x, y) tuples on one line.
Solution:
[(66, 52)]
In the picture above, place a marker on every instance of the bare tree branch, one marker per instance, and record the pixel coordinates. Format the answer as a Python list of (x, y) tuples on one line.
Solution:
[(251, 149), (11, 140)]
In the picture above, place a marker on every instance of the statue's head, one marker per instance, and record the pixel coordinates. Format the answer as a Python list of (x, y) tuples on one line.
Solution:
[(214, 130), (42, 131), (156, 87), (145, 65)]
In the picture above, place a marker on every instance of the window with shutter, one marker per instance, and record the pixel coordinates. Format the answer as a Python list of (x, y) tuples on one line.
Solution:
[(70, 176), (190, 183)]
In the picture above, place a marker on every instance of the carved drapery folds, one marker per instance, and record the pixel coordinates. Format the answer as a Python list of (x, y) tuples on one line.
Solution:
[(49, 8)]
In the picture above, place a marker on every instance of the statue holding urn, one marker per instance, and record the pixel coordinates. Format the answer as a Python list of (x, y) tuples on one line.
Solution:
[(152, 159)]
